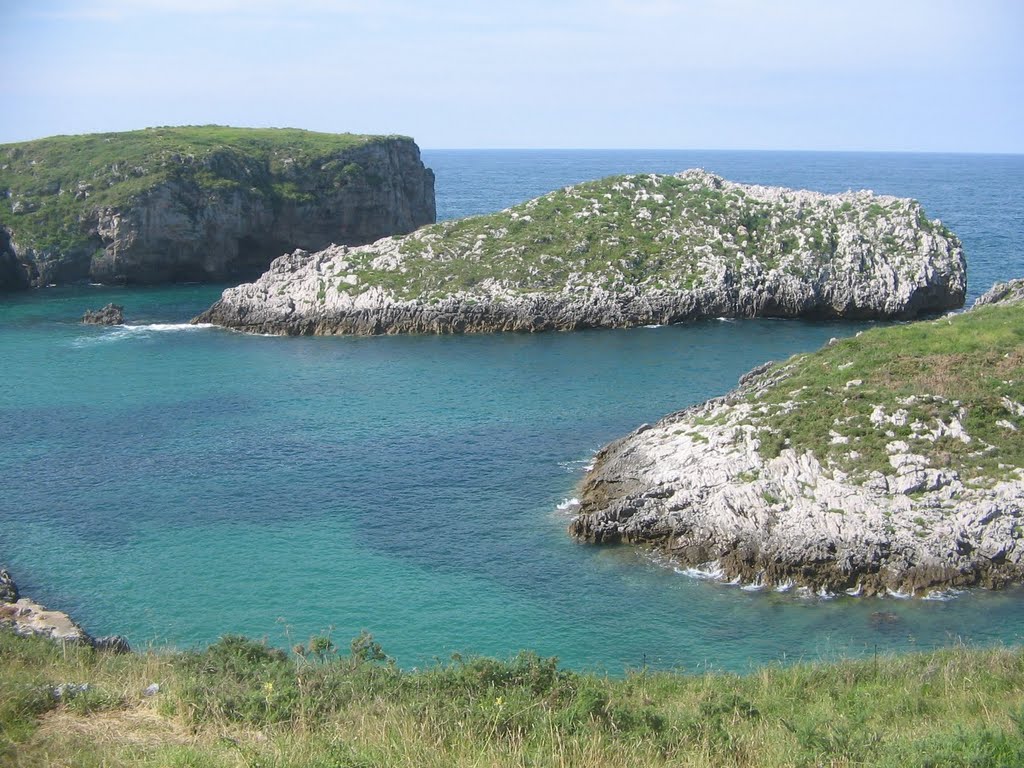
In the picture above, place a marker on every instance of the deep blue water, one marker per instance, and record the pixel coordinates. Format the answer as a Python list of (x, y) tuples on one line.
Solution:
[(175, 484)]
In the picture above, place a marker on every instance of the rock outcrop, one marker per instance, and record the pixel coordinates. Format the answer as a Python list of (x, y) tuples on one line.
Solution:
[(26, 617), (111, 314), (624, 251), (199, 203), (889, 462), (1002, 293)]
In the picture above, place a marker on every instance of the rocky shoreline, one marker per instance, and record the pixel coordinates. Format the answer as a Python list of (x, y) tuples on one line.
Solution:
[(620, 252), (721, 487), (24, 616)]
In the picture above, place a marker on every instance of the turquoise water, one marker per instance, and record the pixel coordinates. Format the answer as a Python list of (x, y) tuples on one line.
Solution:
[(175, 484)]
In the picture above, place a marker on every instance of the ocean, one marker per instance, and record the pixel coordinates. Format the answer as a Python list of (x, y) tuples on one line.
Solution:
[(174, 484)]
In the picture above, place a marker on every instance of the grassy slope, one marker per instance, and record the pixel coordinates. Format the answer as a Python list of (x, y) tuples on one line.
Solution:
[(44, 176), (969, 367), (648, 231), (238, 703)]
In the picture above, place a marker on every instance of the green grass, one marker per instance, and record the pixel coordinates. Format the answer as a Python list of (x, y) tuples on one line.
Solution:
[(58, 183), (240, 703), (649, 231), (969, 367)]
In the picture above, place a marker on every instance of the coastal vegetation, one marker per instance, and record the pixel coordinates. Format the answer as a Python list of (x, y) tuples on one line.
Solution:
[(241, 703), (619, 252), (649, 232), (197, 203), (51, 185), (951, 389), (892, 461)]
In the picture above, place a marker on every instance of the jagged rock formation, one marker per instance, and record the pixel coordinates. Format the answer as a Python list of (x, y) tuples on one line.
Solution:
[(111, 314), (26, 617), (198, 203), (1002, 293), (8, 589), (893, 461), (624, 251)]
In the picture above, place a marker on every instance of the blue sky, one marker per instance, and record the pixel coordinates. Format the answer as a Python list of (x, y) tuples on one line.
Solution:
[(904, 75)]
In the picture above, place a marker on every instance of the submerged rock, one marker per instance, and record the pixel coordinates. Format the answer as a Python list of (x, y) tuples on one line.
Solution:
[(624, 251), (888, 462), (112, 314)]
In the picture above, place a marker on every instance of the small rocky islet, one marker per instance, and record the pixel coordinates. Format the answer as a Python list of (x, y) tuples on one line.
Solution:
[(887, 463), (620, 252)]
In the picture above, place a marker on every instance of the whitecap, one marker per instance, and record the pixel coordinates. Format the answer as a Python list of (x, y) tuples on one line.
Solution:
[(119, 332), (711, 571), (568, 504), (785, 586), (754, 586), (943, 595), (167, 327), (898, 594), (653, 325), (576, 465), (855, 592)]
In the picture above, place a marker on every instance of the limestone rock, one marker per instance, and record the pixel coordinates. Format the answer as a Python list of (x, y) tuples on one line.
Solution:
[(28, 617), (111, 314), (1002, 293), (946, 513), (219, 212), (8, 589), (621, 252)]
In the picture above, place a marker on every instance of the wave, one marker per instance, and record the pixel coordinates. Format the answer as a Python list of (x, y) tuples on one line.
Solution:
[(574, 466), (568, 504), (943, 595), (119, 332)]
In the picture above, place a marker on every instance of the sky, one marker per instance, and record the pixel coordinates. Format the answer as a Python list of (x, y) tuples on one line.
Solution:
[(873, 75)]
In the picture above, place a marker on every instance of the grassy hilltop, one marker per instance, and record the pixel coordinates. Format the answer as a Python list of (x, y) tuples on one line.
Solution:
[(849, 400), (51, 184), (653, 232), (239, 703)]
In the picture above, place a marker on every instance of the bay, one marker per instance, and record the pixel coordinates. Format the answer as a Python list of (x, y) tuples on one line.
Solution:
[(175, 484)]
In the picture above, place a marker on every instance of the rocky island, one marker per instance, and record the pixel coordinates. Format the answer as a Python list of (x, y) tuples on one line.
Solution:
[(199, 203), (619, 252), (892, 462)]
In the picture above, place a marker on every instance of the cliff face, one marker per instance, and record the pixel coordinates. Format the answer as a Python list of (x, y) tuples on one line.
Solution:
[(893, 461), (199, 204), (620, 252)]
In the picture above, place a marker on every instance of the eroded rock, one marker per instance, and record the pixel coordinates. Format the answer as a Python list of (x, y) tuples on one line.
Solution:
[(621, 252)]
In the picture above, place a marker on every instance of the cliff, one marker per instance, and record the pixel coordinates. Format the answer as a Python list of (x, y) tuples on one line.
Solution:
[(888, 462), (198, 203), (623, 251)]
